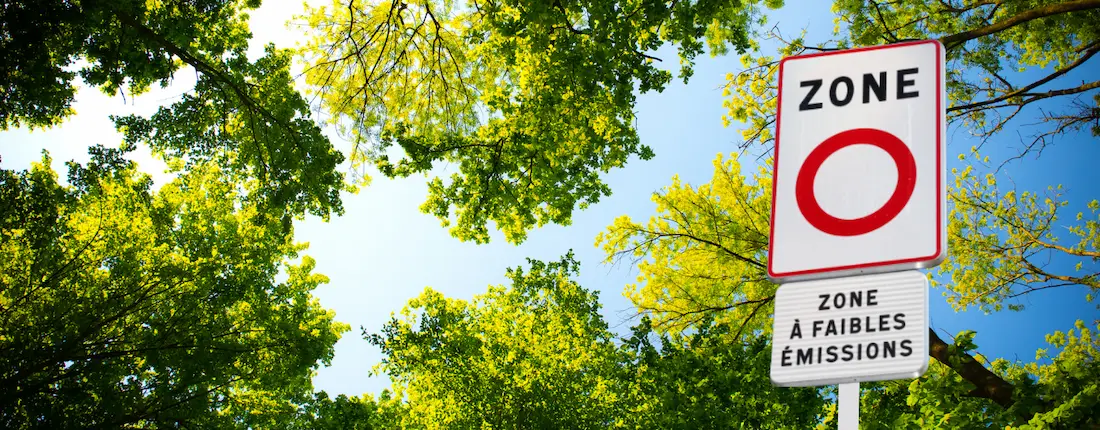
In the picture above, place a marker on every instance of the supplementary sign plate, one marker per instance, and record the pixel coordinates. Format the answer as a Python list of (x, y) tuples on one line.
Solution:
[(855, 329)]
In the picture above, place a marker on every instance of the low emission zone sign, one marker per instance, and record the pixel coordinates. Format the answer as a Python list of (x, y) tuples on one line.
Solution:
[(854, 329), (859, 163)]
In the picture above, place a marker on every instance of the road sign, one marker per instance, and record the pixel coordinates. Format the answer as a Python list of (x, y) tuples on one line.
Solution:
[(854, 329), (860, 166)]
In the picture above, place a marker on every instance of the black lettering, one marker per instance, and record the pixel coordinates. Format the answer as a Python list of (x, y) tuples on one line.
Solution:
[(817, 327), (805, 356), (854, 327), (831, 352), (867, 325), (871, 299), (872, 353), (878, 86), (899, 321), (830, 329), (848, 93), (785, 357), (859, 351), (883, 322), (906, 350), (814, 85), (856, 299), (889, 349), (847, 351), (838, 301), (824, 306), (819, 354), (902, 83)]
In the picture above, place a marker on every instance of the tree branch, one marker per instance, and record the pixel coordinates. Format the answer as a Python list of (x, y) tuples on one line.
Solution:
[(1088, 53), (957, 39), (202, 66), (988, 385), (731, 253)]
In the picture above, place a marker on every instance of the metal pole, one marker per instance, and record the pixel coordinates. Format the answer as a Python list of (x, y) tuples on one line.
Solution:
[(848, 406)]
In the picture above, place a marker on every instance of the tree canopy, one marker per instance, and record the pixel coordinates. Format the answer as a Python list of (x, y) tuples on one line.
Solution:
[(126, 307), (241, 113), (531, 101), (537, 354)]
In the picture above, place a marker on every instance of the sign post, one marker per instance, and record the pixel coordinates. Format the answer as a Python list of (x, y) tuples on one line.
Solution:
[(858, 203), (847, 410)]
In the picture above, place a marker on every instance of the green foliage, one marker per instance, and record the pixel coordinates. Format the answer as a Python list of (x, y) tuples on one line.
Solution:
[(531, 101), (1071, 377), (538, 354), (242, 114), (127, 307), (293, 163), (702, 255), (1058, 394), (1003, 242), (350, 413), (44, 40), (710, 380), (535, 355)]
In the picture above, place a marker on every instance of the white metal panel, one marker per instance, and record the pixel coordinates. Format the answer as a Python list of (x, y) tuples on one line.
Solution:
[(899, 293), (855, 181)]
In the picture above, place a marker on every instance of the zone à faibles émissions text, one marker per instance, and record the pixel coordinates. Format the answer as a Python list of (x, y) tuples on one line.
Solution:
[(861, 351)]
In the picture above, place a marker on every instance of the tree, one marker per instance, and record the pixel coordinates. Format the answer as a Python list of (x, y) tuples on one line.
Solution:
[(530, 100), (351, 413), (125, 307), (537, 354), (702, 255), (711, 380), (244, 114), (1004, 240)]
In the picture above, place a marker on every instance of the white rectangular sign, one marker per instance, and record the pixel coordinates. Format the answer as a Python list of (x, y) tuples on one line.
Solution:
[(860, 163), (855, 329)]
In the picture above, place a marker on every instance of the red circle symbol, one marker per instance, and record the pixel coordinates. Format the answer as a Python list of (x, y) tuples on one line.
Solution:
[(907, 180)]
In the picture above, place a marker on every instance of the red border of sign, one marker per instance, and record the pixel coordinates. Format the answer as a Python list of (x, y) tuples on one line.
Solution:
[(939, 164)]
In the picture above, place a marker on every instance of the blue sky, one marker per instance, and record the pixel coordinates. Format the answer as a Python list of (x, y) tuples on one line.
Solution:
[(383, 251)]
